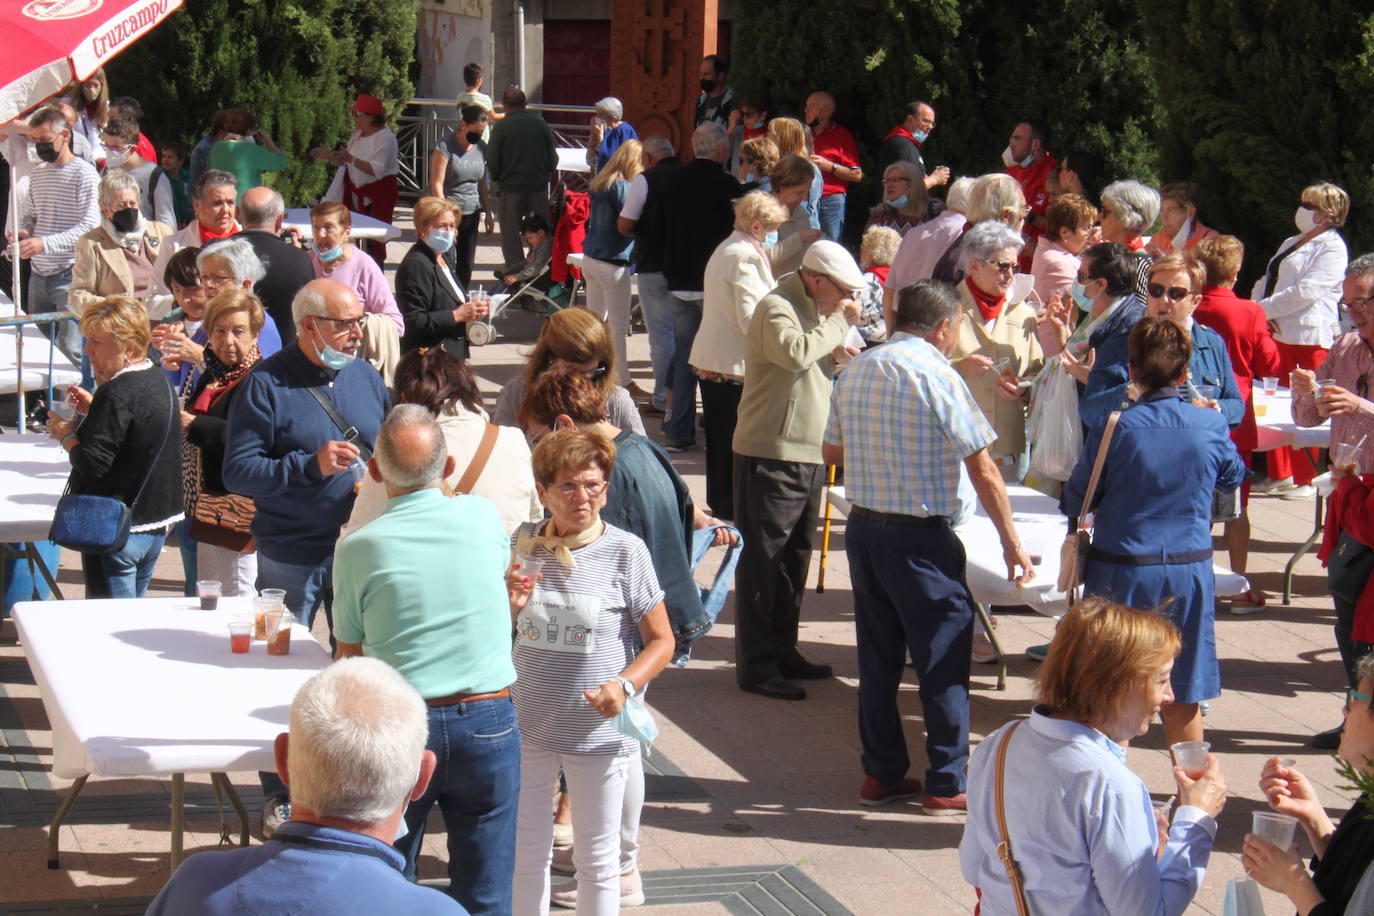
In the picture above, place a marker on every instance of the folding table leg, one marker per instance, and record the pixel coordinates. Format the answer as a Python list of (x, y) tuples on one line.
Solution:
[(56, 827), (1318, 527), (222, 779), (37, 560), (178, 816), (992, 637)]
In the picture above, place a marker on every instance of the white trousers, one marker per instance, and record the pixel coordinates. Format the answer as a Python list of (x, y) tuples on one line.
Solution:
[(608, 298), (596, 785), (237, 572)]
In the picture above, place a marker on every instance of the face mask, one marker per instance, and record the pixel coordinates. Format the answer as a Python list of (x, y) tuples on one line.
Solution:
[(46, 151), (331, 358), (1304, 219), (708, 85), (900, 202), (1026, 163), (1080, 297), (1007, 159), (125, 220), (333, 254), (473, 137), (920, 135), (115, 158), (770, 239), (814, 123), (440, 240), (758, 125)]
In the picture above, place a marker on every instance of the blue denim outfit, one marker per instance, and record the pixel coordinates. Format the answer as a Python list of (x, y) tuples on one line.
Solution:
[(476, 785), (830, 211), (127, 572), (680, 426), (656, 306)]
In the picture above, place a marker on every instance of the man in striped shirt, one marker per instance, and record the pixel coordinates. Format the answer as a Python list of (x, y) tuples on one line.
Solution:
[(62, 207)]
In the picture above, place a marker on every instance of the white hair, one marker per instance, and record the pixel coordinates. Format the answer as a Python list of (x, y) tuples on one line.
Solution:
[(956, 198), (1136, 204), (308, 301), (610, 106), (995, 196), (358, 733), (989, 237), (709, 140), (117, 180), (238, 254), (658, 146), (406, 475)]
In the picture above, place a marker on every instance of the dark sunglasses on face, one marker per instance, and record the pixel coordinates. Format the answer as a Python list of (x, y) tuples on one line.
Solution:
[(1003, 267), (1173, 293)]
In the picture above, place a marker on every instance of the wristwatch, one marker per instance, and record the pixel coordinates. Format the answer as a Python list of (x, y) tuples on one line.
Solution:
[(628, 685)]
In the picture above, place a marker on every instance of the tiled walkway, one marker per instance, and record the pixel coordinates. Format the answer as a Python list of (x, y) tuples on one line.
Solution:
[(752, 803)]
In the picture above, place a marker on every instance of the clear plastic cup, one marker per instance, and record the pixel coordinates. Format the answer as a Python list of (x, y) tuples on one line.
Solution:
[(261, 608), (1345, 456), (209, 591), (279, 632), (1273, 827), (1270, 385), (1191, 757), (240, 636), (1205, 395), (62, 410)]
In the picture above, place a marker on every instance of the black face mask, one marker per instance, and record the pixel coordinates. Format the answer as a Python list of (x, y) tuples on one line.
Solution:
[(708, 85), (814, 123), (46, 151), (125, 220), (473, 136)]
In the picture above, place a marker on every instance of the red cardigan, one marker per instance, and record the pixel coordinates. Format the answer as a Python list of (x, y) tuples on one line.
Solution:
[(1242, 324), (1351, 508)]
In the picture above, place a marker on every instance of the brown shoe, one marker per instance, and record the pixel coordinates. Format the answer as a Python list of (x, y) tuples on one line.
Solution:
[(944, 805), (873, 793), (639, 394)]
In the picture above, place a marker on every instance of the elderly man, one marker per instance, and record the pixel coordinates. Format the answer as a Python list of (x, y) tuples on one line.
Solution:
[(837, 156), (903, 143), (212, 199), (788, 363), (901, 422), (698, 207), (300, 433), (520, 158), (286, 267), (445, 626), (355, 756)]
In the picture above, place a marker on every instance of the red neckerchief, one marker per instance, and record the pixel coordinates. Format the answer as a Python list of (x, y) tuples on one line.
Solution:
[(989, 306), (900, 131), (207, 234), (1136, 244), (880, 271)]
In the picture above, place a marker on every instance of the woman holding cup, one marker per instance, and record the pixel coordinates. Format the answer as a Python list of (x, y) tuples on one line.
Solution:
[(1341, 853)]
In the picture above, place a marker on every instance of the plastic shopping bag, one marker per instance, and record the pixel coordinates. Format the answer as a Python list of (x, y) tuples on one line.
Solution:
[(1056, 432), (1242, 899)]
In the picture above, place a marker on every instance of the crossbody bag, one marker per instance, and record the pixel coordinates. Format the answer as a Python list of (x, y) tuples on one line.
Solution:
[(1073, 555)]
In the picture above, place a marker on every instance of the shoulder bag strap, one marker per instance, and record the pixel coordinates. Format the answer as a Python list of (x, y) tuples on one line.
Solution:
[(166, 431), (1097, 467), (1004, 846), (350, 432), (479, 460)]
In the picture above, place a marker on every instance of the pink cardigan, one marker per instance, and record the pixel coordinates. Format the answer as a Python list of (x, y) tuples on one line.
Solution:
[(1054, 268)]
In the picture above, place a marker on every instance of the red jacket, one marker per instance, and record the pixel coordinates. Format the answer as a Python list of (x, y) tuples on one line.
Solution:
[(1242, 324), (1032, 179), (1351, 508)]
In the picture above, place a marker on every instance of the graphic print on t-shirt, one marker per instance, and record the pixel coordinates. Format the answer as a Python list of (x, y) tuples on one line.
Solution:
[(559, 622)]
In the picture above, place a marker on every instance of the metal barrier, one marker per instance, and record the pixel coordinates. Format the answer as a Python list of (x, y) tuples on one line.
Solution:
[(17, 322), (427, 121)]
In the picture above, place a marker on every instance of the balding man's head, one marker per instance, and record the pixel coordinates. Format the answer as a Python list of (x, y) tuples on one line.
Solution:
[(261, 208), (820, 108), (328, 316), (411, 452)]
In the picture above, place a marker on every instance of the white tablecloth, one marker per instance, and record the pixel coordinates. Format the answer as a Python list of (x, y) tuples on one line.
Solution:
[(1277, 428), (364, 226), (572, 159), (1041, 527), (33, 474), (37, 350), (141, 687)]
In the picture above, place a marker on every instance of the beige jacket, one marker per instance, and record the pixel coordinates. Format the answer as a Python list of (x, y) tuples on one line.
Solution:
[(1012, 336), (737, 277), (101, 269)]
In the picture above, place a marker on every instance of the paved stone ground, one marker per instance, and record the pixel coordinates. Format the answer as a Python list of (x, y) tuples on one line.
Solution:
[(752, 803)]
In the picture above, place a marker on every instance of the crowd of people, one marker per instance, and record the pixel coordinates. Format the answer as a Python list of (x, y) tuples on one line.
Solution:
[(1034, 327)]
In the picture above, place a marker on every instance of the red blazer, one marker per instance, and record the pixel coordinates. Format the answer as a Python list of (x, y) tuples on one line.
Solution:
[(1242, 324), (1351, 508)]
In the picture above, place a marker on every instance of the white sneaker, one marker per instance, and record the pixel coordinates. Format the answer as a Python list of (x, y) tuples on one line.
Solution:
[(1270, 485), (631, 892), (983, 651), (1304, 492)]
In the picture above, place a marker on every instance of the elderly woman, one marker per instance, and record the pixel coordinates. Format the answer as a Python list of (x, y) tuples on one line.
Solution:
[(126, 445), (577, 337), (432, 301), (756, 160), (1079, 821), (1299, 292), (213, 198), (1342, 853), (790, 180), (905, 202), (877, 249), (116, 258), (369, 166), (332, 255), (1178, 217), (233, 320), (1070, 221), (738, 275), (995, 197), (922, 247), (1128, 209), (606, 267), (998, 346), (598, 595), (608, 132), (1152, 534), (458, 173), (436, 379)]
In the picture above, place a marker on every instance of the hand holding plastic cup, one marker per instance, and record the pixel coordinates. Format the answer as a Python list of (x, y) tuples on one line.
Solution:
[(1191, 757), (1345, 455), (1273, 827), (528, 566), (1205, 396), (62, 410)]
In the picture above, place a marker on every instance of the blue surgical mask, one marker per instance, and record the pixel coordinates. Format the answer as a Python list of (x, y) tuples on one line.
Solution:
[(440, 240), (770, 239), (1080, 297), (331, 358), (332, 254), (899, 202), (1026, 163), (920, 135)]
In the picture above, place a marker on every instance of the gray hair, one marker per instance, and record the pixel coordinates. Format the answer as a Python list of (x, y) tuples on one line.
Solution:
[(956, 198), (308, 301), (117, 180), (213, 178), (404, 475), (1136, 204), (923, 305), (659, 147), (709, 140), (262, 217), (995, 196), (610, 107), (1361, 266), (238, 254), (358, 732), (989, 237)]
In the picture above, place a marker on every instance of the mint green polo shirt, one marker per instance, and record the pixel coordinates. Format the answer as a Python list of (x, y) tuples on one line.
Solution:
[(422, 587)]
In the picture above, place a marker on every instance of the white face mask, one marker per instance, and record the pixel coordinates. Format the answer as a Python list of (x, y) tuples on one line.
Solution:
[(1305, 219)]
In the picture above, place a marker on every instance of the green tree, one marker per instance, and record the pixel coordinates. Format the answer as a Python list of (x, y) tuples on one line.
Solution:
[(297, 64)]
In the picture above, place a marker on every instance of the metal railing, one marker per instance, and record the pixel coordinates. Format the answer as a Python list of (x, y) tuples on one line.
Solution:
[(18, 323), (427, 121)]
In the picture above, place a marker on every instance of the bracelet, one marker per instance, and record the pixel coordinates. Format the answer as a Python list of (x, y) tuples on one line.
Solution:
[(63, 440), (627, 685)]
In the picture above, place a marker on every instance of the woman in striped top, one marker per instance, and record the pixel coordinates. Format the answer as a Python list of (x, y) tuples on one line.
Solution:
[(576, 624)]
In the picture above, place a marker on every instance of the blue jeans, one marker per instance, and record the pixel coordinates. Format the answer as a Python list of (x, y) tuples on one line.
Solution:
[(50, 294), (657, 308), (910, 595), (477, 787), (127, 572), (680, 428), (188, 557), (831, 214)]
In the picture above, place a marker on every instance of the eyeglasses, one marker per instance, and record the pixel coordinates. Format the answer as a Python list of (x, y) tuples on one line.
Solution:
[(1172, 293), (346, 324), (216, 279), (1002, 267), (1347, 305), (570, 490), (896, 180), (1352, 695)]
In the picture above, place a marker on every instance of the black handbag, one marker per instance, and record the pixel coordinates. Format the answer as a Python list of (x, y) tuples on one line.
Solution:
[(100, 524), (1348, 568)]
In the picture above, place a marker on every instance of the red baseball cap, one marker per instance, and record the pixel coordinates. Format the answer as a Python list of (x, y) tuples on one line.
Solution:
[(368, 104)]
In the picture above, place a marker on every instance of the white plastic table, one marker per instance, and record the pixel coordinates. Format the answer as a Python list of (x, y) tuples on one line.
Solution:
[(1278, 429), (42, 362), (148, 687), (33, 474), (364, 226), (572, 159)]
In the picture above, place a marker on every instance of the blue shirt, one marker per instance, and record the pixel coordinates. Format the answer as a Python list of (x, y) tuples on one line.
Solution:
[(275, 428), (326, 871), (906, 421), (1081, 827), (610, 142)]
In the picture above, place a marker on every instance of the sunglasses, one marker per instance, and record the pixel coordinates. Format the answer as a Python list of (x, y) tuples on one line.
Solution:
[(1172, 293), (1003, 267)]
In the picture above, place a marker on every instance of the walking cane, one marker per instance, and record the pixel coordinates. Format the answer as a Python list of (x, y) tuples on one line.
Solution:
[(825, 532)]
